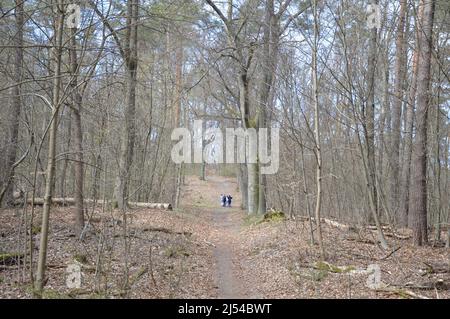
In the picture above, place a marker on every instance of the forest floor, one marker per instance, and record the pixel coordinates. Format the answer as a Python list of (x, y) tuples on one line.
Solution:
[(203, 250)]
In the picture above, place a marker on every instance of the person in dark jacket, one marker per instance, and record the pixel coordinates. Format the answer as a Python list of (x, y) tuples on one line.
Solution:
[(223, 200), (229, 198)]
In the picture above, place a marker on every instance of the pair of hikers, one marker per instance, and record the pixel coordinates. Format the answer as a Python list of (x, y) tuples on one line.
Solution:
[(225, 200)]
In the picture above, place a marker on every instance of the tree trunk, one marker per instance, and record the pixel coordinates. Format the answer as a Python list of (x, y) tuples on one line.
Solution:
[(49, 184), (370, 132), (269, 62), (129, 133), (418, 202), (400, 60), (404, 215), (177, 113), (253, 187), (77, 134), (16, 105), (243, 187), (318, 152)]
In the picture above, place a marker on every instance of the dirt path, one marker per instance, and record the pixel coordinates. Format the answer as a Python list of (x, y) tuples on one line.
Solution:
[(226, 280), (226, 222)]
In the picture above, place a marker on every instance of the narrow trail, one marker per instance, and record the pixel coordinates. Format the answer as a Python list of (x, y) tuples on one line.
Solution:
[(226, 281), (226, 222)]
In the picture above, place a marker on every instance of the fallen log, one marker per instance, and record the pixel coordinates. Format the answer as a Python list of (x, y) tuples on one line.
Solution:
[(70, 201), (335, 224), (439, 284), (165, 206), (436, 268), (327, 221)]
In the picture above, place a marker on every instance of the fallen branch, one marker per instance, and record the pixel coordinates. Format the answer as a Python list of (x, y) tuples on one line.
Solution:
[(390, 254), (436, 268), (166, 230), (137, 276), (439, 284), (401, 292)]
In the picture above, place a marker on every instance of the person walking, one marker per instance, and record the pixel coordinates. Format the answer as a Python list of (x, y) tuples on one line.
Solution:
[(223, 200), (229, 198)]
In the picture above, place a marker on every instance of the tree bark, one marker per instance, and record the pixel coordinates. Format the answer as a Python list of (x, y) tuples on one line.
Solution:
[(16, 104), (49, 184), (77, 134), (418, 203), (369, 115), (404, 215), (243, 187), (318, 151), (400, 60), (131, 62)]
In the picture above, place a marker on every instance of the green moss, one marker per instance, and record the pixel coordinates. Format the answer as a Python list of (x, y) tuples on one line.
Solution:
[(97, 295), (10, 258), (319, 275), (35, 229), (274, 215), (53, 294), (176, 251), (81, 258), (402, 294), (324, 266)]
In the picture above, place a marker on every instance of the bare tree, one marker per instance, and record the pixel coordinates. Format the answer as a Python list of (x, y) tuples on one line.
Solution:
[(400, 61), (49, 184), (318, 151), (404, 215), (129, 54), (7, 188), (418, 198), (77, 133), (369, 131)]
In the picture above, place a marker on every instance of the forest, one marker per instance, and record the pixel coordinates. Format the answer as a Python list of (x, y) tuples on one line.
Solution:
[(123, 122)]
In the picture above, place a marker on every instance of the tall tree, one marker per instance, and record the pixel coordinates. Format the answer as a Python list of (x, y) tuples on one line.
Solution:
[(400, 61), (404, 215), (77, 132), (49, 183), (16, 105), (129, 54), (369, 130), (318, 151), (418, 201)]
